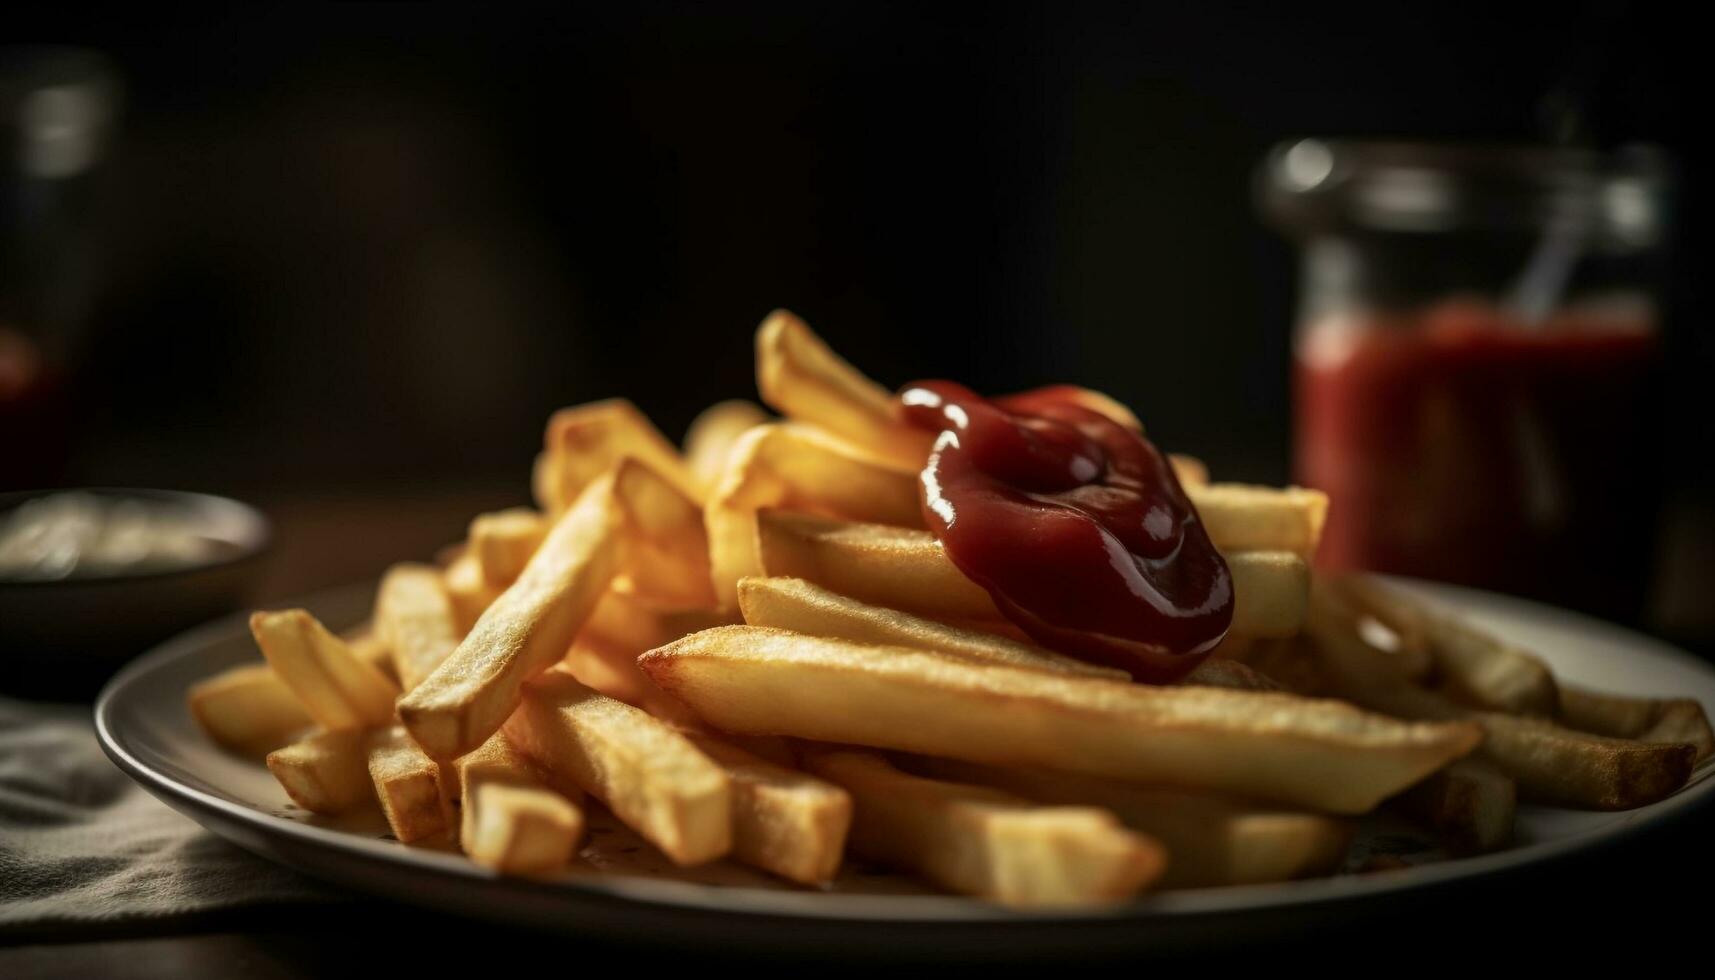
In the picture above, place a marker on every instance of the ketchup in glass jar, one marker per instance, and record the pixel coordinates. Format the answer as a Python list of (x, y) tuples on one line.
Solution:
[(1474, 362)]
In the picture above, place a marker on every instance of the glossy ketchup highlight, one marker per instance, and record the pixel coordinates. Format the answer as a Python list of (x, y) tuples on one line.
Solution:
[(1076, 526)]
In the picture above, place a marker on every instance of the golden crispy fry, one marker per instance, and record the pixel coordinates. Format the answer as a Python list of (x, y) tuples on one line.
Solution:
[(1471, 804), (1643, 719), (1190, 470), (1211, 840), (415, 617), (1241, 517), (1474, 667), (471, 594), (712, 434), (647, 773), (794, 604), (986, 843), (665, 558), (1405, 622), (327, 772), (527, 630), (414, 794), (502, 542), (796, 468), (802, 379), (587, 441), (247, 709), (367, 646), (906, 569), (783, 821), (1319, 754), (336, 688), (510, 821), (1550, 764)]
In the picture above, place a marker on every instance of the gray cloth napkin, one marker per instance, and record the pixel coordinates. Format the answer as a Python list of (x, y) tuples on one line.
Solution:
[(80, 843)]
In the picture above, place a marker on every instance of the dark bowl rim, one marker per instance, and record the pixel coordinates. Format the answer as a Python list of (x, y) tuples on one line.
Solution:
[(259, 541)]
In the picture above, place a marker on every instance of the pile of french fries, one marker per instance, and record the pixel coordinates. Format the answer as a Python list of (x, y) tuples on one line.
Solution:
[(750, 649)]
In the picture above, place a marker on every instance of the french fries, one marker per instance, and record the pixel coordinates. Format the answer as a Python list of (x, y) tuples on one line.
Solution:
[(794, 604), (510, 821), (470, 592), (247, 709), (986, 843), (502, 542), (712, 434), (583, 444), (1323, 755), (1550, 764), (797, 468), (783, 821), (327, 772), (799, 377), (527, 630), (1644, 719), (415, 618), (594, 645), (1241, 517), (648, 774), (665, 558), (902, 568), (335, 688), (410, 786), (1211, 840)]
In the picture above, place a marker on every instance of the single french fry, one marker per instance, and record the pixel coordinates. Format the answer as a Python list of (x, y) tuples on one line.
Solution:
[(1323, 755), (527, 630), (1471, 804), (247, 709), (796, 468), (1405, 622), (648, 774), (665, 557), (502, 542), (800, 377), (587, 441), (327, 772), (1241, 517), (783, 821), (415, 616), (1643, 719), (1551, 764), (794, 604), (470, 592), (1211, 840), (987, 843), (336, 688), (1189, 469), (415, 794), (510, 821), (368, 647), (712, 434), (901, 568)]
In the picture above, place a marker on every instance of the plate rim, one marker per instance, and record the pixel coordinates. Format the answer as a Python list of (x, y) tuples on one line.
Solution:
[(856, 909)]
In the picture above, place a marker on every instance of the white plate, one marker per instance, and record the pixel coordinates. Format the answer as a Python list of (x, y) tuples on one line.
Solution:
[(143, 725)]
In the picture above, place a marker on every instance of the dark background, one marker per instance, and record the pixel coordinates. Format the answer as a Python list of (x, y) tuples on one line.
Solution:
[(367, 249)]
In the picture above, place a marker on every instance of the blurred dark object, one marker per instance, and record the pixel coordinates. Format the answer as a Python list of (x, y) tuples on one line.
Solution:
[(1476, 361), (57, 113), (62, 638)]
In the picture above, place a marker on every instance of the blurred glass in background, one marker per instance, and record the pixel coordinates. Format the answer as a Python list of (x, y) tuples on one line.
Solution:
[(57, 112), (1475, 360)]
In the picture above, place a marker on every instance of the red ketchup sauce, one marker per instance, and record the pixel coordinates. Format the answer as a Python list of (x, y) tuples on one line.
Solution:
[(1075, 525)]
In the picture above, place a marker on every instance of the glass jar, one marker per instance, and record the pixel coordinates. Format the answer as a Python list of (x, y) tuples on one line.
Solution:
[(1475, 352)]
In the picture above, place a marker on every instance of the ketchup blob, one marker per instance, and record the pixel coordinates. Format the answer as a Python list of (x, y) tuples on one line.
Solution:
[(1074, 524)]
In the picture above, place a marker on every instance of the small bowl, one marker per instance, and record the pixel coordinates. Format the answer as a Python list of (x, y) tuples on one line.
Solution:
[(64, 637)]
